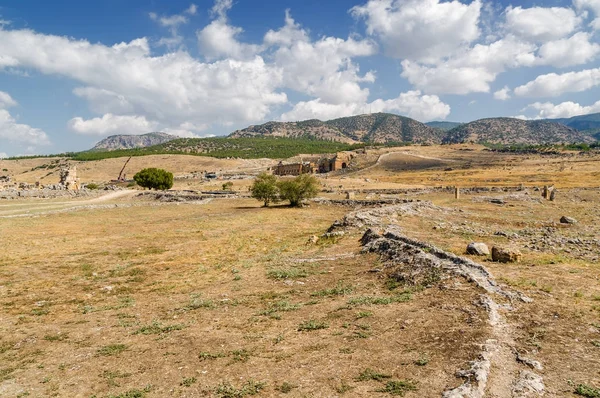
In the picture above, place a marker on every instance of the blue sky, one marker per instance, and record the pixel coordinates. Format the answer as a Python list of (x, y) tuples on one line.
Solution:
[(74, 72)]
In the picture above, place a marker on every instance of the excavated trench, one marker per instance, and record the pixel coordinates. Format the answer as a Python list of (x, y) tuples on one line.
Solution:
[(499, 370)]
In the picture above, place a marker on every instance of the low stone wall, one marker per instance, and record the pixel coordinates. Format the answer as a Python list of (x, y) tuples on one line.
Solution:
[(46, 193)]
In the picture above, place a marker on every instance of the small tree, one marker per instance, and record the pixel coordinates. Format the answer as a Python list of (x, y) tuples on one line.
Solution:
[(153, 178), (227, 186), (303, 187), (265, 188)]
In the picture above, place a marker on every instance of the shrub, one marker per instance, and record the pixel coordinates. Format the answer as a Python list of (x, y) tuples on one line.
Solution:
[(153, 178), (92, 186), (227, 186), (301, 188), (265, 189)]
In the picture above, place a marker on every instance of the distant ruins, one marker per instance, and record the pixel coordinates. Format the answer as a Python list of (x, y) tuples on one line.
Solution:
[(324, 165), (68, 178)]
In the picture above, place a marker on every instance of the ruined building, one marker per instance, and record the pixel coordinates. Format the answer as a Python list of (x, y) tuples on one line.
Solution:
[(294, 169), (324, 165), (68, 178), (339, 162)]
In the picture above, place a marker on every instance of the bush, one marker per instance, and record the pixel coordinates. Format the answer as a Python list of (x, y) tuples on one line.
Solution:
[(153, 178), (227, 186), (265, 189), (92, 186), (301, 188)]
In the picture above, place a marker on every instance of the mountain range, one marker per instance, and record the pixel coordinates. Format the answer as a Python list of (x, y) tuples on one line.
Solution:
[(384, 128), (132, 141), (376, 127)]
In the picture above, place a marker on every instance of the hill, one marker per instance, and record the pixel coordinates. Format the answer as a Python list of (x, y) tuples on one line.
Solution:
[(115, 142), (508, 131), (445, 126), (376, 128), (244, 148), (588, 124)]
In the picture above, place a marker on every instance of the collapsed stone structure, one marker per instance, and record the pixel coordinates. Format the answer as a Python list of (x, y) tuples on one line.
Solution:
[(68, 178), (340, 161)]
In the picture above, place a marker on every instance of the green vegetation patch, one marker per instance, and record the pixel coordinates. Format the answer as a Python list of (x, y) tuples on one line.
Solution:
[(312, 325), (112, 349), (158, 328), (399, 387), (245, 148), (287, 273), (251, 387), (339, 290), (587, 391), (370, 374), (382, 300)]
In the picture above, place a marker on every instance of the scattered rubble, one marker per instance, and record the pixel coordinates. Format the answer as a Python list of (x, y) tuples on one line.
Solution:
[(415, 262), (506, 254), (478, 249), (567, 220), (379, 215), (185, 196)]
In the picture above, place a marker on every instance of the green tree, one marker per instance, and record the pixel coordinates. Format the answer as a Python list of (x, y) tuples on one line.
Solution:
[(301, 188), (265, 188), (153, 178), (227, 186)]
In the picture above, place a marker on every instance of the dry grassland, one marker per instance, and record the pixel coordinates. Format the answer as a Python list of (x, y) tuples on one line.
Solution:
[(226, 299)]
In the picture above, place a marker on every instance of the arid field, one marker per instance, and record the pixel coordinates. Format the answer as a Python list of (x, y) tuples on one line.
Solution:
[(120, 295)]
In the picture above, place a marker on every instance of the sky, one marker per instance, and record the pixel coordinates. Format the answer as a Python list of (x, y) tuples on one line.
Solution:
[(73, 72)]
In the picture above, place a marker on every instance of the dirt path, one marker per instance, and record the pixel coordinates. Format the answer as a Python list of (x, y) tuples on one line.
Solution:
[(111, 196), (24, 210)]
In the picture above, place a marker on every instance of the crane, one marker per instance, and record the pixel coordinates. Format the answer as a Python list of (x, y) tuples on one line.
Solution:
[(121, 176)]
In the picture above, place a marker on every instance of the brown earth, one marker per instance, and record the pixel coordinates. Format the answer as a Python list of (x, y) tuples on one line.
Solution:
[(127, 296)]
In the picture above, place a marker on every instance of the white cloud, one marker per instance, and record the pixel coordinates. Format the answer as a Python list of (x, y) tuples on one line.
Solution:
[(471, 70), (553, 85), (290, 33), (171, 89), (104, 101), (20, 133), (6, 100), (421, 30), (192, 9), (541, 24), (112, 124), (447, 79), (594, 6), (502, 94), (173, 22), (221, 7), (442, 50), (16, 132), (322, 69), (412, 104), (548, 110), (575, 50), (219, 40)]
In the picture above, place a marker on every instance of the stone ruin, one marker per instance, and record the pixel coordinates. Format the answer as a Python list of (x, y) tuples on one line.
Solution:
[(68, 178), (6, 181)]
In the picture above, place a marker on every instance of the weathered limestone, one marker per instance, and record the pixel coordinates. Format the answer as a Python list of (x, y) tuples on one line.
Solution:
[(567, 220), (506, 255), (68, 178), (478, 249)]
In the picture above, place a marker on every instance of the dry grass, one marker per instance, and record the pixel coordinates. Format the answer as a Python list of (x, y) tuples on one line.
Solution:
[(211, 300), (151, 296)]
